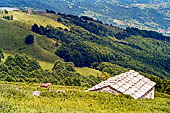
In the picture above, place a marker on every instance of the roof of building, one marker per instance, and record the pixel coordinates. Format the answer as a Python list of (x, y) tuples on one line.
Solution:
[(130, 83)]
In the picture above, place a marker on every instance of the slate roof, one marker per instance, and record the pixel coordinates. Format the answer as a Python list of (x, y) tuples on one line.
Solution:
[(130, 83)]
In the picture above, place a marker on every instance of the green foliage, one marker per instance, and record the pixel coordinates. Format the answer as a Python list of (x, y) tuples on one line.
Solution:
[(59, 20), (144, 33), (83, 48), (66, 75), (23, 61), (110, 68), (162, 85), (6, 12), (105, 76), (29, 39), (69, 66), (50, 11), (22, 68), (1, 55), (8, 17), (35, 28)]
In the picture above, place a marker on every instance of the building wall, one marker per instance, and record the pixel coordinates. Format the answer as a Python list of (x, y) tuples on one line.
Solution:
[(109, 90), (149, 94)]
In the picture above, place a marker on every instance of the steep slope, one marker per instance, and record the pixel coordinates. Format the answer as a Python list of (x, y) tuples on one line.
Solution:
[(88, 42), (13, 35)]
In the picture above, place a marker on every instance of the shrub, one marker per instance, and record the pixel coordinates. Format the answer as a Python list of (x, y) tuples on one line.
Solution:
[(29, 39)]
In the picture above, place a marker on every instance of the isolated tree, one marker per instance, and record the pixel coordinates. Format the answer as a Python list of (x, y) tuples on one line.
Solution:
[(12, 17), (1, 55), (59, 20), (29, 39), (6, 12), (35, 28)]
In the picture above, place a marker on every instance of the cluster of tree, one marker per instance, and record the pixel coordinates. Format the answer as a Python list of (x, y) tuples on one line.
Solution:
[(130, 31), (29, 39), (46, 30), (162, 85), (84, 48), (110, 68), (93, 26), (5, 11), (22, 68), (7, 17), (1, 55), (50, 11)]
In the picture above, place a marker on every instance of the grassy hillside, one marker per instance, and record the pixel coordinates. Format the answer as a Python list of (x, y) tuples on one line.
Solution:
[(17, 97), (87, 42), (29, 20), (88, 71), (12, 39), (13, 34)]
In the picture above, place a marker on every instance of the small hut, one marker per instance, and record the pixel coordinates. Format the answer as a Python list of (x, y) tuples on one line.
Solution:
[(29, 11), (130, 83)]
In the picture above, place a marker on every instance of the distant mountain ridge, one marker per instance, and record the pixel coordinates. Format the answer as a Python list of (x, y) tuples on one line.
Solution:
[(144, 14)]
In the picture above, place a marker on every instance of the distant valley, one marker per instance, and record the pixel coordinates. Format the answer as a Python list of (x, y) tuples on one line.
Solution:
[(143, 14)]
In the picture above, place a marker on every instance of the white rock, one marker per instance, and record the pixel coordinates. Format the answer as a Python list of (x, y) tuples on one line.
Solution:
[(36, 93)]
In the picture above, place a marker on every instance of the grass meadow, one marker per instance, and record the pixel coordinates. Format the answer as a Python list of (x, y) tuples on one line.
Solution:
[(35, 18), (17, 98), (13, 33)]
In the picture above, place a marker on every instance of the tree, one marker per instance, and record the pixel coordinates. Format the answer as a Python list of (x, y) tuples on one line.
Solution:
[(29, 39), (105, 75), (1, 55), (12, 17), (6, 12), (35, 29), (59, 20)]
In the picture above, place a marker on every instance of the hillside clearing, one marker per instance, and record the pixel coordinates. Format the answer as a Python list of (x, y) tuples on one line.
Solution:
[(34, 18), (12, 40), (88, 71)]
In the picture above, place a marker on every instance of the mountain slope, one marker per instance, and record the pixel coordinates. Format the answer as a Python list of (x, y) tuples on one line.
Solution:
[(13, 35), (88, 42), (144, 14)]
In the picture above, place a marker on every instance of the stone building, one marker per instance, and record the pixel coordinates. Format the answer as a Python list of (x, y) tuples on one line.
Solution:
[(130, 83)]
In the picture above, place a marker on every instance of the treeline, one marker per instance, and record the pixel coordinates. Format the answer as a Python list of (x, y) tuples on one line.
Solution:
[(84, 48), (76, 46), (130, 31), (96, 27), (91, 25), (22, 68)]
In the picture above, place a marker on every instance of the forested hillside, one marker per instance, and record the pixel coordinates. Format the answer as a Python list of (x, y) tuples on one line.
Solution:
[(83, 41), (90, 41), (72, 53)]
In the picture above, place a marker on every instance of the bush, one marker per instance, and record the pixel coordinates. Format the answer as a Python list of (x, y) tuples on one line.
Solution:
[(1, 55), (29, 39)]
